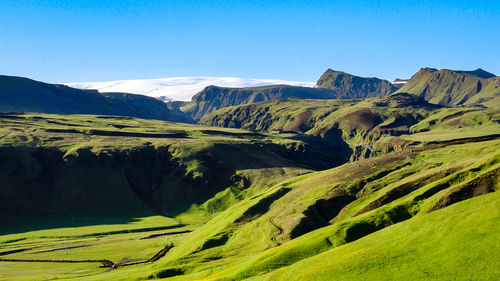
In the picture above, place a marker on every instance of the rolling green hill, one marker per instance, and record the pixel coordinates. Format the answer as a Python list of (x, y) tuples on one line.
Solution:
[(19, 94), (454, 87), (390, 215)]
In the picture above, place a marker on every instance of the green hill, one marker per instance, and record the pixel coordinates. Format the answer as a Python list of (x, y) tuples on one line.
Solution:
[(451, 87), (390, 215), (308, 187)]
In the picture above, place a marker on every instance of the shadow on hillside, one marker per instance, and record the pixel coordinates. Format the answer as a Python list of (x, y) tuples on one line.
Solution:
[(16, 225)]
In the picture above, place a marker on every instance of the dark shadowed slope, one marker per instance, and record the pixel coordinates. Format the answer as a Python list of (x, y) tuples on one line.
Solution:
[(350, 86), (25, 95), (212, 97)]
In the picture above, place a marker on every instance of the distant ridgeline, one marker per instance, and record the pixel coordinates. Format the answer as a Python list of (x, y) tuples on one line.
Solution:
[(19, 94), (444, 87)]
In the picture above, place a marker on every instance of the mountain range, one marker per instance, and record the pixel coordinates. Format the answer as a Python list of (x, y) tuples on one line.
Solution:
[(444, 87)]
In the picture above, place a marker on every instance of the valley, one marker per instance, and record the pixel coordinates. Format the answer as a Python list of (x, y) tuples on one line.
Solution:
[(249, 140), (257, 191), (357, 177)]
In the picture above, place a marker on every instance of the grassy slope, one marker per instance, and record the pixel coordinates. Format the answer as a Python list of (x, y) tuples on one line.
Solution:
[(461, 170), (220, 249), (118, 235), (448, 87), (457, 243)]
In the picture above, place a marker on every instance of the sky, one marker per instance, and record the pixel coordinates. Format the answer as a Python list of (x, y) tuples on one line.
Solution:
[(83, 40)]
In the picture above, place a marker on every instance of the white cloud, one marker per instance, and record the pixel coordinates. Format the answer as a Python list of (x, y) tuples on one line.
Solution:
[(179, 88)]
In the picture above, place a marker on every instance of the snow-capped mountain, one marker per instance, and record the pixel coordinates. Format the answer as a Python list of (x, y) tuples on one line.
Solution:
[(179, 88)]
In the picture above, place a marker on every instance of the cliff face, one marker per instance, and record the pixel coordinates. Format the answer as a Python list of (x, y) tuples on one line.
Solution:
[(455, 87), (349, 86)]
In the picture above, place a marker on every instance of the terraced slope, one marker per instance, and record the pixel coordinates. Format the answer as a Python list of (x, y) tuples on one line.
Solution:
[(452, 87)]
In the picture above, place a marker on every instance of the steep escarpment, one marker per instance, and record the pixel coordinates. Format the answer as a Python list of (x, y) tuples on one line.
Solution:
[(19, 94), (349, 86), (455, 87)]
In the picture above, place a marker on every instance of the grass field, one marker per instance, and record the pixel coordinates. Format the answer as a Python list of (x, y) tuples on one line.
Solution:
[(102, 241)]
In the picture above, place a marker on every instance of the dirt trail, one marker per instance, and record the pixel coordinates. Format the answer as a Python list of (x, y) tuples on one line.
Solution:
[(274, 238)]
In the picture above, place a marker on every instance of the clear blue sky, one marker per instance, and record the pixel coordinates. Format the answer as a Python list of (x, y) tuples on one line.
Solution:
[(83, 40)]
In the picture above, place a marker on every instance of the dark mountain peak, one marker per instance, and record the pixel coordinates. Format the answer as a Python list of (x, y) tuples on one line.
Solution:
[(212, 98), (210, 87), (329, 70), (481, 73), (351, 86), (424, 71)]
